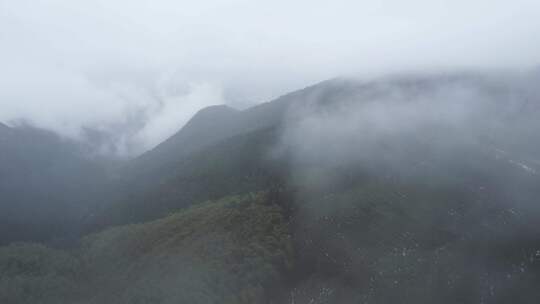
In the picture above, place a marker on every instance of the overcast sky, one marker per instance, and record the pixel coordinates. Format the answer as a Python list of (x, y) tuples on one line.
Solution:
[(139, 69)]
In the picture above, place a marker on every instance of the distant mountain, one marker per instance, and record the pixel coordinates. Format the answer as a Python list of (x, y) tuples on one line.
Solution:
[(206, 127), (389, 185), (46, 184), (404, 189), (215, 152)]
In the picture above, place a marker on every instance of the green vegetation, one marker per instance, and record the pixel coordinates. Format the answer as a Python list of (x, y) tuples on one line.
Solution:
[(31, 273), (427, 217), (229, 251)]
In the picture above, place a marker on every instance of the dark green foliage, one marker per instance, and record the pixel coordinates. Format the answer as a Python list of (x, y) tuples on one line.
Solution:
[(230, 251), (31, 273)]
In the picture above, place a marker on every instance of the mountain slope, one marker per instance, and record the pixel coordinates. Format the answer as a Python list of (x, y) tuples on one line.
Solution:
[(46, 184), (221, 146), (407, 189), (391, 186), (216, 124), (236, 166), (206, 127), (234, 250)]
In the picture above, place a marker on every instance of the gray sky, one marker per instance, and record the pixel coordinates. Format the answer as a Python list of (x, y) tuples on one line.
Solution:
[(138, 69)]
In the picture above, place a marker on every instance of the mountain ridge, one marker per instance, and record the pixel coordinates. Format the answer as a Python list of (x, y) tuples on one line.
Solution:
[(407, 190)]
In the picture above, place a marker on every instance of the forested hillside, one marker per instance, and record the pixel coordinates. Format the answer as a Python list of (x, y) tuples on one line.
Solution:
[(406, 189), (235, 250)]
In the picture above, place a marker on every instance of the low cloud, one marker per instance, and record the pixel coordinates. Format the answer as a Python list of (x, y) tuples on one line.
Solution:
[(400, 123), (101, 65), (121, 116)]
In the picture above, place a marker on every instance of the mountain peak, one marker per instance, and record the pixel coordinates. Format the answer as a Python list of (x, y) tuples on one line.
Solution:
[(204, 128), (206, 120), (210, 113), (216, 109)]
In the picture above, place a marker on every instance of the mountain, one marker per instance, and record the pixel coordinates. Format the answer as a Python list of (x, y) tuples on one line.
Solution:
[(220, 251), (219, 152), (206, 127), (222, 151), (404, 189), (47, 185)]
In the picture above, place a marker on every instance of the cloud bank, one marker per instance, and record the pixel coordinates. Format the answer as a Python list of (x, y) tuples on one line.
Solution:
[(135, 71)]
